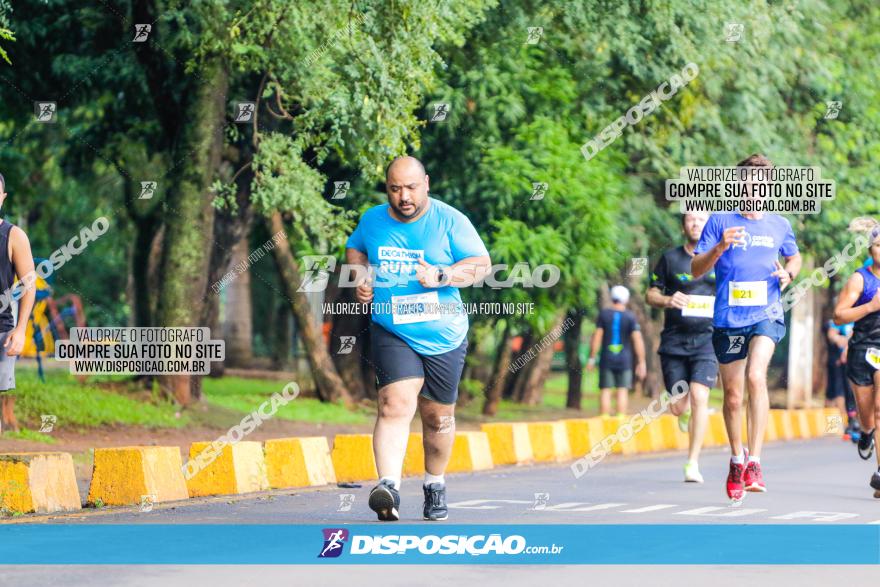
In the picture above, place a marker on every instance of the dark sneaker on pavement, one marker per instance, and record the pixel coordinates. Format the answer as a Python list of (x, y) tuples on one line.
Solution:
[(866, 445), (385, 501), (435, 502)]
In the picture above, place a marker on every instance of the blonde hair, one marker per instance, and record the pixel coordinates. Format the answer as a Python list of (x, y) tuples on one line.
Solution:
[(870, 226)]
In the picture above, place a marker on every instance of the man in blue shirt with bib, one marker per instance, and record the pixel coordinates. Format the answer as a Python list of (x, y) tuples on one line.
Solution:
[(744, 249), (420, 251)]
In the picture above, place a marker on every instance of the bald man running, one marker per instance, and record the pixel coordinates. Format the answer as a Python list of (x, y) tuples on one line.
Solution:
[(422, 251)]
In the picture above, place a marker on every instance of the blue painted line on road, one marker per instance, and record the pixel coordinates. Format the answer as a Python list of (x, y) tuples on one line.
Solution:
[(631, 544)]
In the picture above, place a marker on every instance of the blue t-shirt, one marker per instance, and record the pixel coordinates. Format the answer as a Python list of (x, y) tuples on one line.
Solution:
[(744, 287), (427, 320)]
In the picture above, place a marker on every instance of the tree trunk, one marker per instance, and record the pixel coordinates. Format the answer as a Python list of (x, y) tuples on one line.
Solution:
[(237, 316), (573, 360), (189, 222), (282, 337), (328, 383), (533, 385), (349, 360), (513, 382), (500, 371)]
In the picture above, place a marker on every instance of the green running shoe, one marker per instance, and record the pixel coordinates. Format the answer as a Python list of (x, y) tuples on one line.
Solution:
[(683, 421)]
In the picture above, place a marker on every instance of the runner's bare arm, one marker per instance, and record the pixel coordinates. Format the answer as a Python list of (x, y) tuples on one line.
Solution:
[(793, 265), (639, 349), (655, 298), (595, 342), (364, 291), (23, 261), (464, 273), (702, 263), (844, 312)]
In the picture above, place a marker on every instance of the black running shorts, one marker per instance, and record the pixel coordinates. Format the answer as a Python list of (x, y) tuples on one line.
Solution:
[(394, 360), (688, 368), (858, 369)]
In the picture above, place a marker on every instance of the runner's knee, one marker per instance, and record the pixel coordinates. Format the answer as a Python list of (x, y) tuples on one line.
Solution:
[(396, 407)]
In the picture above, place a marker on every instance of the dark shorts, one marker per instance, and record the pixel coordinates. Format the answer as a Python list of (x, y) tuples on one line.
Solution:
[(7, 366), (858, 369), (836, 386), (394, 360), (732, 344), (688, 368), (609, 378)]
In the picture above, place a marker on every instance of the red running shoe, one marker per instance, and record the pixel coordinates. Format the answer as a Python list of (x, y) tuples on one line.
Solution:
[(735, 481), (753, 478)]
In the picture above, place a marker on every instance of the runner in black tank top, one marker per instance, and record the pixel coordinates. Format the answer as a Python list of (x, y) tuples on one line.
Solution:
[(859, 302)]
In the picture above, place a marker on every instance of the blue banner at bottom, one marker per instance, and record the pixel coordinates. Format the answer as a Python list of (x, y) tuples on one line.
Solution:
[(439, 544)]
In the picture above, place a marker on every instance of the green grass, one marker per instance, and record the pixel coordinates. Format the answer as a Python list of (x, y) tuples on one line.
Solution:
[(89, 405), (32, 435), (246, 395)]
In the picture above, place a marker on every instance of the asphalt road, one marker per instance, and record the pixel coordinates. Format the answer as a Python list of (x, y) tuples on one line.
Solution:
[(822, 475), (817, 481)]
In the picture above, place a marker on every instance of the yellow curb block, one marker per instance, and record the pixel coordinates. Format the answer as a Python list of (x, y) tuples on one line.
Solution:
[(584, 434), (549, 441), (470, 452), (782, 420), (41, 482), (800, 424), (650, 438), (353, 458), (238, 468), (716, 431), (816, 421), (771, 433), (625, 446), (510, 443), (414, 459), (298, 462), (673, 438), (129, 475)]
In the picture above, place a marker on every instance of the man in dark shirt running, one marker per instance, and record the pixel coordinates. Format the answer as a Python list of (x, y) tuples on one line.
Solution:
[(686, 352), (619, 337)]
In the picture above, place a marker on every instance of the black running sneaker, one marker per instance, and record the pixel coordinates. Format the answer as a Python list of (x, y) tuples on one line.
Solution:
[(385, 501), (435, 502), (875, 483), (866, 445)]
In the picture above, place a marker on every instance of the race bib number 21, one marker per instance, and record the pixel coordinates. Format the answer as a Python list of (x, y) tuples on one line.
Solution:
[(747, 293)]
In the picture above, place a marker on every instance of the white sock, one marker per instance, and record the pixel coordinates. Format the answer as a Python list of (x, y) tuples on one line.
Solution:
[(429, 478), (394, 480), (739, 459), (756, 460)]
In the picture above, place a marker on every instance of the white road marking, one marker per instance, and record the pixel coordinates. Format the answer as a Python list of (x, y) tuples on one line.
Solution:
[(727, 512), (474, 504), (570, 507), (650, 508), (816, 516)]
